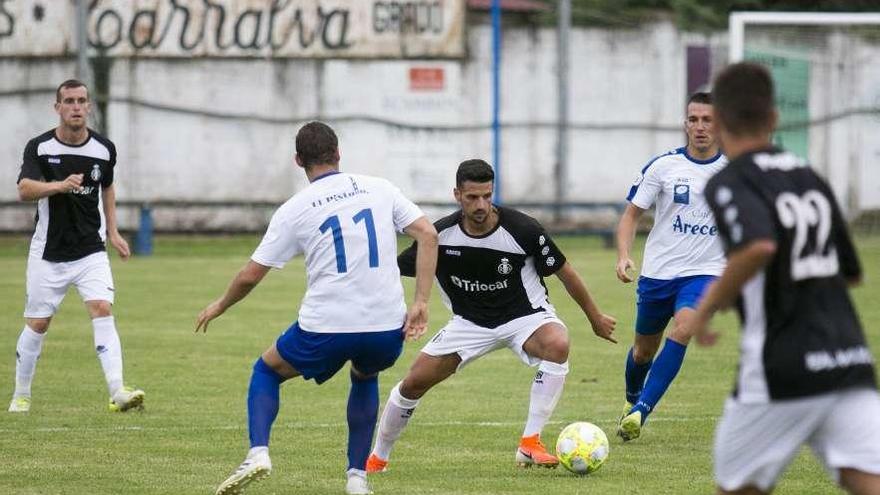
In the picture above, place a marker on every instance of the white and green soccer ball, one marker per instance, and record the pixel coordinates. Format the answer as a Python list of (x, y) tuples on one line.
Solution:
[(582, 447)]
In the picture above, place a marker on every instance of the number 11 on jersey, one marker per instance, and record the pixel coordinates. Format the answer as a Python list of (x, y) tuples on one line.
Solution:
[(332, 223)]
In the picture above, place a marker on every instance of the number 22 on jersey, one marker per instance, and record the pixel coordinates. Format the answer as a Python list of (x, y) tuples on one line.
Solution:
[(812, 211), (332, 224)]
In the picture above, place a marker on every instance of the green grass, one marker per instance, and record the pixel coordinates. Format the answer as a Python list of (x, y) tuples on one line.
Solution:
[(461, 440)]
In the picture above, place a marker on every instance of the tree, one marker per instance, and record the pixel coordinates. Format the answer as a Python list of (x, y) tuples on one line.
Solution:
[(694, 15)]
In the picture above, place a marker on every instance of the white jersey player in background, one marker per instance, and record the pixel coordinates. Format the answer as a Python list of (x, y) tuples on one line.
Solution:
[(346, 225), (683, 255)]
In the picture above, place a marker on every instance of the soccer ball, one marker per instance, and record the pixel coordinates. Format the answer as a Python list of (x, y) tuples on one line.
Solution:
[(582, 448)]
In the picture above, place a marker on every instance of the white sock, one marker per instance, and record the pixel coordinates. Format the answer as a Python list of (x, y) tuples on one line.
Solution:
[(109, 351), (395, 417), (546, 390), (27, 351), (360, 473), (262, 449)]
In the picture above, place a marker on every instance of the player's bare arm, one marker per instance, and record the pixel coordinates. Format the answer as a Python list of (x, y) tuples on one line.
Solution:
[(243, 283), (116, 240), (32, 190), (626, 232), (603, 325), (742, 265), (425, 235)]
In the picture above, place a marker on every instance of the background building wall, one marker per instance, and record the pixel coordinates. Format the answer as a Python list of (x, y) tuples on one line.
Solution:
[(221, 129)]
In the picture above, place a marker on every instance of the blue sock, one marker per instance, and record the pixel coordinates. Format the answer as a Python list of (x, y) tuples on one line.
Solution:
[(363, 408), (663, 371), (262, 402), (635, 377)]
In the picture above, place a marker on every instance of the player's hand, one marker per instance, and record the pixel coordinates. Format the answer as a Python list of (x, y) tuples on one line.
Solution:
[(707, 337), (416, 321), (121, 245), (212, 311), (604, 327), (73, 183), (704, 336), (623, 266)]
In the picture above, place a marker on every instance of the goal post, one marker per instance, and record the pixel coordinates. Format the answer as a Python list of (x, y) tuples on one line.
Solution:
[(826, 68), (738, 20)]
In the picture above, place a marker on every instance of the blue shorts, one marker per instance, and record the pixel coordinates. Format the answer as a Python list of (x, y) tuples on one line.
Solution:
[(659, 300), (319, 356)]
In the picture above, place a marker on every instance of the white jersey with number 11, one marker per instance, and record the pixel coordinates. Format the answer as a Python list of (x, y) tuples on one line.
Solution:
[(346, 225)]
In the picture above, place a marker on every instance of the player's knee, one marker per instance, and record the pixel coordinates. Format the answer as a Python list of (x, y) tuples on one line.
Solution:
[(557, 351), (681, 334), (38, 325), (99, 309), (643, 354)]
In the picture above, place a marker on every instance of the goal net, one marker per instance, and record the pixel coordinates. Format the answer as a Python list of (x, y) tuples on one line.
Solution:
[(826, 68)]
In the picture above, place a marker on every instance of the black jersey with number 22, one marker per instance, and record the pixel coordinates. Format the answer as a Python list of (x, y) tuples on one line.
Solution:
[(801, 335)]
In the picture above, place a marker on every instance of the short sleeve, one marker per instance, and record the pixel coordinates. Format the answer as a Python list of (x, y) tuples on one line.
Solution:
[(850, 266), (405, 211), (406, 261), (645, 188), (741, 214), (30, 165), (548, 257), (107, 177), (279, 244)]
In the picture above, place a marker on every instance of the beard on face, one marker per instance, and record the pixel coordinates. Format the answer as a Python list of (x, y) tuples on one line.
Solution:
[(479, 216)]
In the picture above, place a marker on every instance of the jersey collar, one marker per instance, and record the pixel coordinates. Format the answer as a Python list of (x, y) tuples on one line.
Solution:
[(698, 161), (80, 145), (487, 234), (328, 174)]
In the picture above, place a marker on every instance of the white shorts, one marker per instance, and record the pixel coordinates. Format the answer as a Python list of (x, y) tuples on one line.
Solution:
[(754, 443), (470, 341), (47, 282)]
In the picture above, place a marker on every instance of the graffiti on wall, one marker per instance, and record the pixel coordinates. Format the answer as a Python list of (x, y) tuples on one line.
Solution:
[(238, 28)]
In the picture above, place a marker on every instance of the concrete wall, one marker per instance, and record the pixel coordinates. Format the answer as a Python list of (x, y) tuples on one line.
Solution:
[(222, 129)]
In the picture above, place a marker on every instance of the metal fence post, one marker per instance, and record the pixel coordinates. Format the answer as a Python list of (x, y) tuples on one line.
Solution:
[(143, 241)]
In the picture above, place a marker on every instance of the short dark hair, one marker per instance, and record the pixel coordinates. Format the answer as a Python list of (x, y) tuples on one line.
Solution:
[(744, 99), (68, 84), (474, 170), (316, 144), (700, 97)]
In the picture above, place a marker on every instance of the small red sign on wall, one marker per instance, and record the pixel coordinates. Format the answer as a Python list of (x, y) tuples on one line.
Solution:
[(426, 79)]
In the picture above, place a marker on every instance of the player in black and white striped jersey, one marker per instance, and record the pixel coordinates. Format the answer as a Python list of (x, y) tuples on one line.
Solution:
[(490, 270), (806, 375), (68, 171)]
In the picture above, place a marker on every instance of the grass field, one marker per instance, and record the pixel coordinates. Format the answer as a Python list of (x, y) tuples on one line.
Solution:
[(460, 441)]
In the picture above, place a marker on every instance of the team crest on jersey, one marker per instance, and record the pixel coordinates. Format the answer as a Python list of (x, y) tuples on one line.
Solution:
[(505, 267), (681, 194), (96, 172)]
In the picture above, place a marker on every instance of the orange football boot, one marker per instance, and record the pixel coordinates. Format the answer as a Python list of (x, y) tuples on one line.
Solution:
[(376, 465), (531, 452)]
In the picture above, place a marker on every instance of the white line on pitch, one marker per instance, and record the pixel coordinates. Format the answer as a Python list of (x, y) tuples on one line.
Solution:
[(295, 426)]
